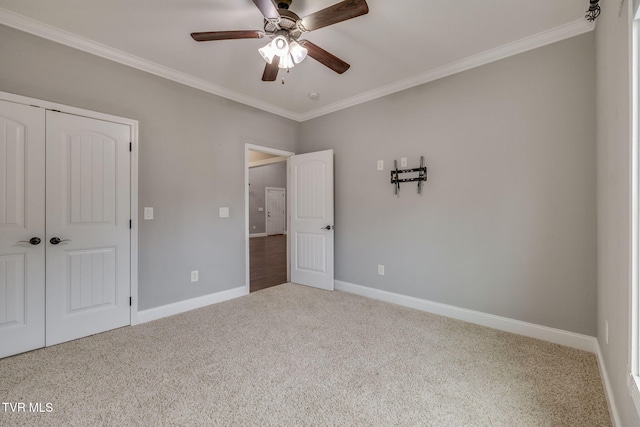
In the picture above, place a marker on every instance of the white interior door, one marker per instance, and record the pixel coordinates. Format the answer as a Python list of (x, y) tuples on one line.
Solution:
[(88, 209), (311, 227), (22, 161), (275, 201)]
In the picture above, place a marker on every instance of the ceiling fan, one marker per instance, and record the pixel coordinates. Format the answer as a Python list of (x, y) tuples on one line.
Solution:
[(285, 27)]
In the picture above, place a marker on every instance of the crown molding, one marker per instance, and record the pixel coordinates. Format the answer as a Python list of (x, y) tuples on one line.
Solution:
[(544, 38), (40, 29), (57, 35)]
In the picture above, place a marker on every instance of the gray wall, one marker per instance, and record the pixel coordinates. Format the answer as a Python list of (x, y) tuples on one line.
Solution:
[(506, 224), (614, 202), (507, 221), (191, 159), (273, 175)]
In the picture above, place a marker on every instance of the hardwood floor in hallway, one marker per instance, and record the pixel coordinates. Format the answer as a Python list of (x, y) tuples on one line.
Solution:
[(268, 261)]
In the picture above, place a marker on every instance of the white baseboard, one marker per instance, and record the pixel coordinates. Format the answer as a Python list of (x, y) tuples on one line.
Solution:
[(613, 409), (263, 235), (190, 304), (556, 336)]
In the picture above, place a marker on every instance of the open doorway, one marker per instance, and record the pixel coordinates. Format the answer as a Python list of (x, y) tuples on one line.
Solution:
[(266, 217)]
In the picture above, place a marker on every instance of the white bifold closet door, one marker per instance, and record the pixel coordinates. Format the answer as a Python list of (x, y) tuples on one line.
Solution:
[(71, 278), (88, 210), (22, 215)]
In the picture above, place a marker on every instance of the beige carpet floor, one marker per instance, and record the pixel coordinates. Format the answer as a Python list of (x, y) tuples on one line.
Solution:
[(296, 356)]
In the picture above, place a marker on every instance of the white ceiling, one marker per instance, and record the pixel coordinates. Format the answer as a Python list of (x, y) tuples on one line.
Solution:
[(397, 45)]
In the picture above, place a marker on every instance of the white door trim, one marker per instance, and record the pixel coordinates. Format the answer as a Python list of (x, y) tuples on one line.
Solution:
[(133, 124), (267, 150)]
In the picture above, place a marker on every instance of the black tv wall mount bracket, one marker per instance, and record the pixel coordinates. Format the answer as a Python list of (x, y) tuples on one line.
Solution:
[(396, 180)]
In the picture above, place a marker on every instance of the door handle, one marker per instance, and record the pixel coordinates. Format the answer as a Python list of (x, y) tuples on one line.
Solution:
[(56, 240), (328, 227), (34, 241)]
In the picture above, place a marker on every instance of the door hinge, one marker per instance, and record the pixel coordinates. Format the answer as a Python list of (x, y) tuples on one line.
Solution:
[(130, 301), (130, 224), (131, 146)]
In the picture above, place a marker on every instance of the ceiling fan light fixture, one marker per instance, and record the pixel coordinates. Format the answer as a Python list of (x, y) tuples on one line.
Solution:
[(285, 27), (267, 52), (298, 53), (281, 45), (286, 61)]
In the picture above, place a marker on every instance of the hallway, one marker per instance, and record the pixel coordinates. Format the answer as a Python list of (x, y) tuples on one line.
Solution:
[(268, 261)]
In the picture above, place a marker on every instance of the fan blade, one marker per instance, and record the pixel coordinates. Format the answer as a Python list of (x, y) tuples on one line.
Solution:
[(333, 14), (227, 35), (271, 70), (324, 57), (267, 8)]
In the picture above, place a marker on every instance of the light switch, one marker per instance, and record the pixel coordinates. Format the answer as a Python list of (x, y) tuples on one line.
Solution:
[(148, 213), (224, 212), (403, 162)]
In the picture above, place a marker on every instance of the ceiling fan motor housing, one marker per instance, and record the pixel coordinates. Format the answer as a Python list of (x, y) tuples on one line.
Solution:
[(284, 4), (288, 22)]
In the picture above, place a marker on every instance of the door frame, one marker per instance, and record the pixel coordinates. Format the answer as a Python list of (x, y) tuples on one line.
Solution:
[(133, 125), (276, 152), (266, 204)]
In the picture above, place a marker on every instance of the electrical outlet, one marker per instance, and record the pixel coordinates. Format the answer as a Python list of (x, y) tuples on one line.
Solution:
[(380, 165), (194, 276), (606, 332), (381, 269)]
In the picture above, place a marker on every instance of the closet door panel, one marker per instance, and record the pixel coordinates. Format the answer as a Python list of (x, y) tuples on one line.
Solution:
[(88, 210), (22, 217)]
